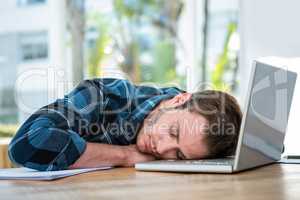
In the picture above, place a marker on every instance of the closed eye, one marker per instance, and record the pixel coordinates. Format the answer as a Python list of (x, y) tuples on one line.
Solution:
[(174, 132), (179, 155)]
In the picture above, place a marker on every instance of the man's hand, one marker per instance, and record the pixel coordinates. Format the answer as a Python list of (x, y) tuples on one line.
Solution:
[(99, 155), (133, 155)]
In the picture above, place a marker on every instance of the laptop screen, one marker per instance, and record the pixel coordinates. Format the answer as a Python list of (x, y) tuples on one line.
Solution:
[(266, 116)]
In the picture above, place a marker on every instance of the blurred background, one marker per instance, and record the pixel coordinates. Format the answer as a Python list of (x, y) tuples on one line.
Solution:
[(49, 46)]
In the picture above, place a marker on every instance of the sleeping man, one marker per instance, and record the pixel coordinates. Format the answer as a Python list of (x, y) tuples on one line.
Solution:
[(112, 122)]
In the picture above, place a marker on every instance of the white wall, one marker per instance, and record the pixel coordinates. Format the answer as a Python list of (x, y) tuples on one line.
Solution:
[(50, 79), (189, 27), (38, 82), (25, 18), (271, 28)]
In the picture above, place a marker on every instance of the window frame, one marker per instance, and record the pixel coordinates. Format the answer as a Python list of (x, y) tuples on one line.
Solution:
[(35, 48), (26, 3)]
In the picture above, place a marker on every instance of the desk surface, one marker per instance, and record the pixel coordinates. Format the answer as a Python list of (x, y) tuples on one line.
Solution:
[(270, 182)]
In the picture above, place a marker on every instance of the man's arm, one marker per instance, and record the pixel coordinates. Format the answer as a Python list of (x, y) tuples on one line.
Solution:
[(51, 138), (97, 155)]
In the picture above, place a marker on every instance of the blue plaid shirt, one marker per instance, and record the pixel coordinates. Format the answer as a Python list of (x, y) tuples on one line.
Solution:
[(106, 110)]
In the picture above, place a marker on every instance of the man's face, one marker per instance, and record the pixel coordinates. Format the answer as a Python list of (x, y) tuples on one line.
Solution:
[(173, 134)]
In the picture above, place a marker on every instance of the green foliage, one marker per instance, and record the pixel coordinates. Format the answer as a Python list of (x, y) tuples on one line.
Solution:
[(224, 63), (97, 53), (134, 8), (132, 62), (125, 29), (164, 62)]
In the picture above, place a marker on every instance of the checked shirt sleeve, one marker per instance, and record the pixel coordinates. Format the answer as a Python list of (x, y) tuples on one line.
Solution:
[(49, 139)]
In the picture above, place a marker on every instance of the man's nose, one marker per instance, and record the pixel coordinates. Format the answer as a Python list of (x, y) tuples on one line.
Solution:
[(165, 145)]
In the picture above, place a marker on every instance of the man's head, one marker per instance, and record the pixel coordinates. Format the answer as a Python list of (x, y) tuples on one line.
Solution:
[(192, 126)]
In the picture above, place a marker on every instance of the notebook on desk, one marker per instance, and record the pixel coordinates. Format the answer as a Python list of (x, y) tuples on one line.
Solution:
[(31, 174)]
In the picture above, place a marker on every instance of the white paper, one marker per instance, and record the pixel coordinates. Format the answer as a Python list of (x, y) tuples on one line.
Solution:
[(289, 161), (31, 174)]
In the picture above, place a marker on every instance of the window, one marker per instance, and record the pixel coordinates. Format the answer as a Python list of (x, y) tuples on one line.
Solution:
[(30, 2), (34, 46), (137, 39)]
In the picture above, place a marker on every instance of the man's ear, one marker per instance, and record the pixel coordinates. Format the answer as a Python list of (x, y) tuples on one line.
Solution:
[(179, 99)]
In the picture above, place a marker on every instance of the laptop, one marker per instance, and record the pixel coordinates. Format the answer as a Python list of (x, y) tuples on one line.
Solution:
[(263, 126)]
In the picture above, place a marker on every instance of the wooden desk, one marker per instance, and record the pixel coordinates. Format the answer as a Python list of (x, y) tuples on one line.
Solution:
[(271, 182), (4, 160)]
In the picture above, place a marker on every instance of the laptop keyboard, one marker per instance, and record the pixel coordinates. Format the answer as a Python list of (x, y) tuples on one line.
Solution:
[(226, 161)]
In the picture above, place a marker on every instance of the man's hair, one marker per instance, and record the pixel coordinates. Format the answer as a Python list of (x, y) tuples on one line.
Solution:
[(223, 114)]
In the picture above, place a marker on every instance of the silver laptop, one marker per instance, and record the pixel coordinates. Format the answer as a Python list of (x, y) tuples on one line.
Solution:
[(263, 127)]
